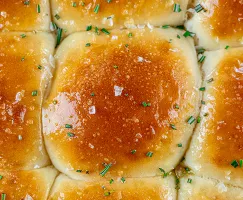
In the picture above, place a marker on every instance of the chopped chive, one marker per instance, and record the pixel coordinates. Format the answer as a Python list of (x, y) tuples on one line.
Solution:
[(38, 8), (234, 163), (126, 45), (22, 59), (126, 95), (23, 36), (88, 28), (188, 33), (105, 31), (202, 88), (145, 104), (201, 51), (178, 36), (187, 169), (199, 8), (87, 44), (92, 94), (173, 126), (241, 162), (111, 181), (164, 173), (179, 145), (82, 3), (166, 26), (149, 154), (68, 126), (129, 35), (191, 120), (133, 151), (3, 196), (203, 102), (115, 67), (180, 27), (177, 8), (97, 30), (1, 177), (210, 80), (79, 170), (54, 26), (34, 93), (70, 134), (39, 67), (226, 47), (107, 193), (57, 16), (26, 2), (198, 119), (96, 9), (59, 36), (20, 137), (123, 180), (176, 106), (74, 4), (105, 170), (177, 183), (189, 180), (201, 59), (108, 1)]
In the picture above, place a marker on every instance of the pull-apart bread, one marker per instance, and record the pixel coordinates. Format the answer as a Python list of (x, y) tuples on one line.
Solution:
[(121, 101), (216, 149), (156, 188), (217, 23), (24, 15), (77, 15), (25, 65)]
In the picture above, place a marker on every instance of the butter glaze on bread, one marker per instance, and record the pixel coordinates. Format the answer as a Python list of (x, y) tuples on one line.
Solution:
[(218, 140), (21, 93), (220, 25), (117, 95), (156, 188), (27, 184), (207, 189), (116, 14), (16, 16)]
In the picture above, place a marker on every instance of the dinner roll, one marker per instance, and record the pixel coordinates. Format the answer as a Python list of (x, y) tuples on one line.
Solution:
[(24, 70), (121, 100), (216, 147)]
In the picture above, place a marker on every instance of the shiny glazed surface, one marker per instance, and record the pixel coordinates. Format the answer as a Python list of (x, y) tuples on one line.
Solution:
[(21, 145), (16, 16), (224, 127), (146, 188), (107, 124), (225, 18)]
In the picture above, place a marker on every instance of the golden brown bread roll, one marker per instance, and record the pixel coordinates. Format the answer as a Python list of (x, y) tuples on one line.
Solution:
[(199, 188), (219, 24), (156, 188), (216, 148), (24, 15), (77, 15), (24, 70), (28, 184), (121, 99)]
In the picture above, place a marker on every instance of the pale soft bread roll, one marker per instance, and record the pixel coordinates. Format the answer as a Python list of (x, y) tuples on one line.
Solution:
[(116, 14), (156, 188), (207, 189), (27, 185), (99, 108), (19, 15), (220, 25), (218, 139), (21, 93)]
